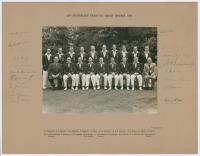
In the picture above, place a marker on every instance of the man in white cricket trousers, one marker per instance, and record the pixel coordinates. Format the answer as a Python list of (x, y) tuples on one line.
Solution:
[(136, 72), (80, 73), (90, 74), (101, 71), (47, 59), (124, 73), (112, 73), (69, 72)]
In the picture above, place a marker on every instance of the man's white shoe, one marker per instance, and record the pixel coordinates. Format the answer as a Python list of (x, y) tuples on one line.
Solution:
[(127, 88), (83, 88), (72, 88), (94, 88), (140, 88), (86, 88), (122, 88), (65, 88), (133, 88), (105, 87), (98, 87), (109, 88), (76, 88), (44, 87), (116, 88)]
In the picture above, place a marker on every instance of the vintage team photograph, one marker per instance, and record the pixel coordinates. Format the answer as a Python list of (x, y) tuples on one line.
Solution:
[(99, 70)]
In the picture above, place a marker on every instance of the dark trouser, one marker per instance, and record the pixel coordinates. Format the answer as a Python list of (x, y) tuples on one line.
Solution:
[(59, 84)]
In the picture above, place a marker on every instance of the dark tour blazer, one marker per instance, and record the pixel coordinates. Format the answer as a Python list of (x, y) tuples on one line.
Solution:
[(95, 59), (113, 69), (53, 69), (89, 69), (116, 57), (143, 59), (106, 58), (100, 69), (138, 68), (79, 69), (61, 59), (131, 57), (46, 62), (73, 58), (120, 57), (122, 69), (68, 68), (84, 57)]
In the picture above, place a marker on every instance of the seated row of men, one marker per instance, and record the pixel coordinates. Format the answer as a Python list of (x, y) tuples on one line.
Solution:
[(59, 74)]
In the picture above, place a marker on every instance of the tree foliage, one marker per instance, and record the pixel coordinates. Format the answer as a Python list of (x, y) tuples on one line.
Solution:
[(54, 37)]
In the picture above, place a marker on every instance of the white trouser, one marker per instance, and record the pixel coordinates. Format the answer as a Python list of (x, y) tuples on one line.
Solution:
[(121, 77), (65, 78), (105, 79), (77, 78), (93, 79), (110, 77), (45, 78), (139, 77)]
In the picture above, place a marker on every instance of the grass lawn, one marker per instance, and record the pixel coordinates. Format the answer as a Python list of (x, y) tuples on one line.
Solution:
[(99, 101)]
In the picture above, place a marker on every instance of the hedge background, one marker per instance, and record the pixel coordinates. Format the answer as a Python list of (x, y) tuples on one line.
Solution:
[(55, 37)]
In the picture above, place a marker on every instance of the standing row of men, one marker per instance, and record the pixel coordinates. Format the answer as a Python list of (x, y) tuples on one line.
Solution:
[(111, 66)]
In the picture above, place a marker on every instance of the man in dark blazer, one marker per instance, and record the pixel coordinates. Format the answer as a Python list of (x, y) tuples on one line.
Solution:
[(133, 54), (145, 55), (55, 74), (124, 73), (90, 74), (71, 54), (123, 53), (136, 72), (104, 54), (80, 73), (47, 59), (115, 54), (101, 71), (61, 56), (93, 54), (82, 54), (69, 72), (112, 73)]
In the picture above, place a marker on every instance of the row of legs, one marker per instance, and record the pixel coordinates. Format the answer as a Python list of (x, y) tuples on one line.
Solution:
[(95, 80)]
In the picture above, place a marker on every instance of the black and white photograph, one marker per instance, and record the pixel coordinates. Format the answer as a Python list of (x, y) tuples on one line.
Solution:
[(99, 69)]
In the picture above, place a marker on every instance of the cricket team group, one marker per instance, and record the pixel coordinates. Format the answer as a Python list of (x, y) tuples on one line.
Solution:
[(104, 69)]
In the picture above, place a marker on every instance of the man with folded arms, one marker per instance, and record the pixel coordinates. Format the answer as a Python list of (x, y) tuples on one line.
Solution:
[(149, 73), (124, 73), (136, 72), (101, 71), (80, 73), (68, 71), (55, 74), (112, 73), (90, 74)]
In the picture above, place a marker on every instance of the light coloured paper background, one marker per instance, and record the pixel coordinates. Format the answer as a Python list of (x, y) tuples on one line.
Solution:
[(23, 120)]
